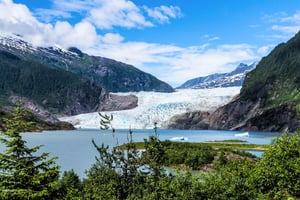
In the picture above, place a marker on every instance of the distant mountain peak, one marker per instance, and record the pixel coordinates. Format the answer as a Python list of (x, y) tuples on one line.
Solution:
[(242, 65), (233, 78)]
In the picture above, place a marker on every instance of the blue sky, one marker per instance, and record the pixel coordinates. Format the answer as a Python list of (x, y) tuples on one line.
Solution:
[(175, 40)]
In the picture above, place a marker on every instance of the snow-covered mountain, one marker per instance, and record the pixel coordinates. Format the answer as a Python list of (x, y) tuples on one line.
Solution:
[(159, 107), (16, 45), (231, 79)]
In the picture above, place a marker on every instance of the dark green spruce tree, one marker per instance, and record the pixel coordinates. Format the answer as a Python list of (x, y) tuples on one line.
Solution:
[(23, 173), (70, 186)]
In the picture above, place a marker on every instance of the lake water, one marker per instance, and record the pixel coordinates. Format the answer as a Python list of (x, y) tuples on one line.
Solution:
[(76, 151)]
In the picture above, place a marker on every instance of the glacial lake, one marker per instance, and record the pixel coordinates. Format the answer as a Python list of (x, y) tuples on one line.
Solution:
[(75, 150)]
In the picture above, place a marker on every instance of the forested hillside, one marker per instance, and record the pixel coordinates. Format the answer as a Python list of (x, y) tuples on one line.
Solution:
[(277, 76), (56, 90)]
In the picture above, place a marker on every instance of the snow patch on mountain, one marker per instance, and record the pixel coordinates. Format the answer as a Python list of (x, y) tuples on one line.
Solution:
[(15, 42), (159, 107), (231, 79)]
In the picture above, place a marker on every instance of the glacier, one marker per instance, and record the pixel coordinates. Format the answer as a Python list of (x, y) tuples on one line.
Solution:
[(157, 107)]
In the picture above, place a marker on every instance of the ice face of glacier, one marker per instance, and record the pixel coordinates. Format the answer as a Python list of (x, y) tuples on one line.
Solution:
[(159, 107)]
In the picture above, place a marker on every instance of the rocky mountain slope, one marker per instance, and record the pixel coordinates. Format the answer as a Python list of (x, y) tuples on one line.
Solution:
[(231, 79), (112, 75), (38, 124), (270, 96)]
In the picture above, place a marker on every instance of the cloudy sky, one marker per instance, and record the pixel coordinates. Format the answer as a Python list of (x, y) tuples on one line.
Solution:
[(175, 40)]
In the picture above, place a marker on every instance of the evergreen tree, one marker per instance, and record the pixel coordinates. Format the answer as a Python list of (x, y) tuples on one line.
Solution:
[(23, 173), (70, 186)]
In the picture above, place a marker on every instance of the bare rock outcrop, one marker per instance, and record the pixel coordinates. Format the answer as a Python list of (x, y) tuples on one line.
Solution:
[(36, 109), (241, 115), (113, 102), (193, 120)]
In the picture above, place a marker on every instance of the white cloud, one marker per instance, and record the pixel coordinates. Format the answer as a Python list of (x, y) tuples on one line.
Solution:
[(254, 25), (123, 13), (287, 29), (83, 35), (163, 14), (16, 18), (285, 25), (112, 38), (295, 18), (274, 17), (277, 28), (75, 5), (48, 15), (210, 38), (213, 38), (106, 14), (175, 64), (264, 50), (63, 9)]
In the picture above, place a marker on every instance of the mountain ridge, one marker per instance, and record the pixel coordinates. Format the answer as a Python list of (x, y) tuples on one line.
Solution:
[(110, 74), (230, 79)]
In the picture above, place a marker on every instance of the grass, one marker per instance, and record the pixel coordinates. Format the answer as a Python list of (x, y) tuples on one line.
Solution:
[(222, 144), (196, 155), (238, 146), (227, 141)]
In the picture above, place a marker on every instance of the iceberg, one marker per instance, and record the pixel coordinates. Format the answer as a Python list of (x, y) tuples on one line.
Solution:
[(246, 134), (181, 138)]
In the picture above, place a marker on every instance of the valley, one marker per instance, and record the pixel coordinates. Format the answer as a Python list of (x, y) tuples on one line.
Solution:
[(159, 107)]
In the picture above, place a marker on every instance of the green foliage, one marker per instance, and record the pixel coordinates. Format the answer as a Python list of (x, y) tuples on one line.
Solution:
[(196, 155), (221, 161), (277, 174), (70, 186), (192, 155), (101, 183), (154, 155), (23, 173), (230, 182)]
